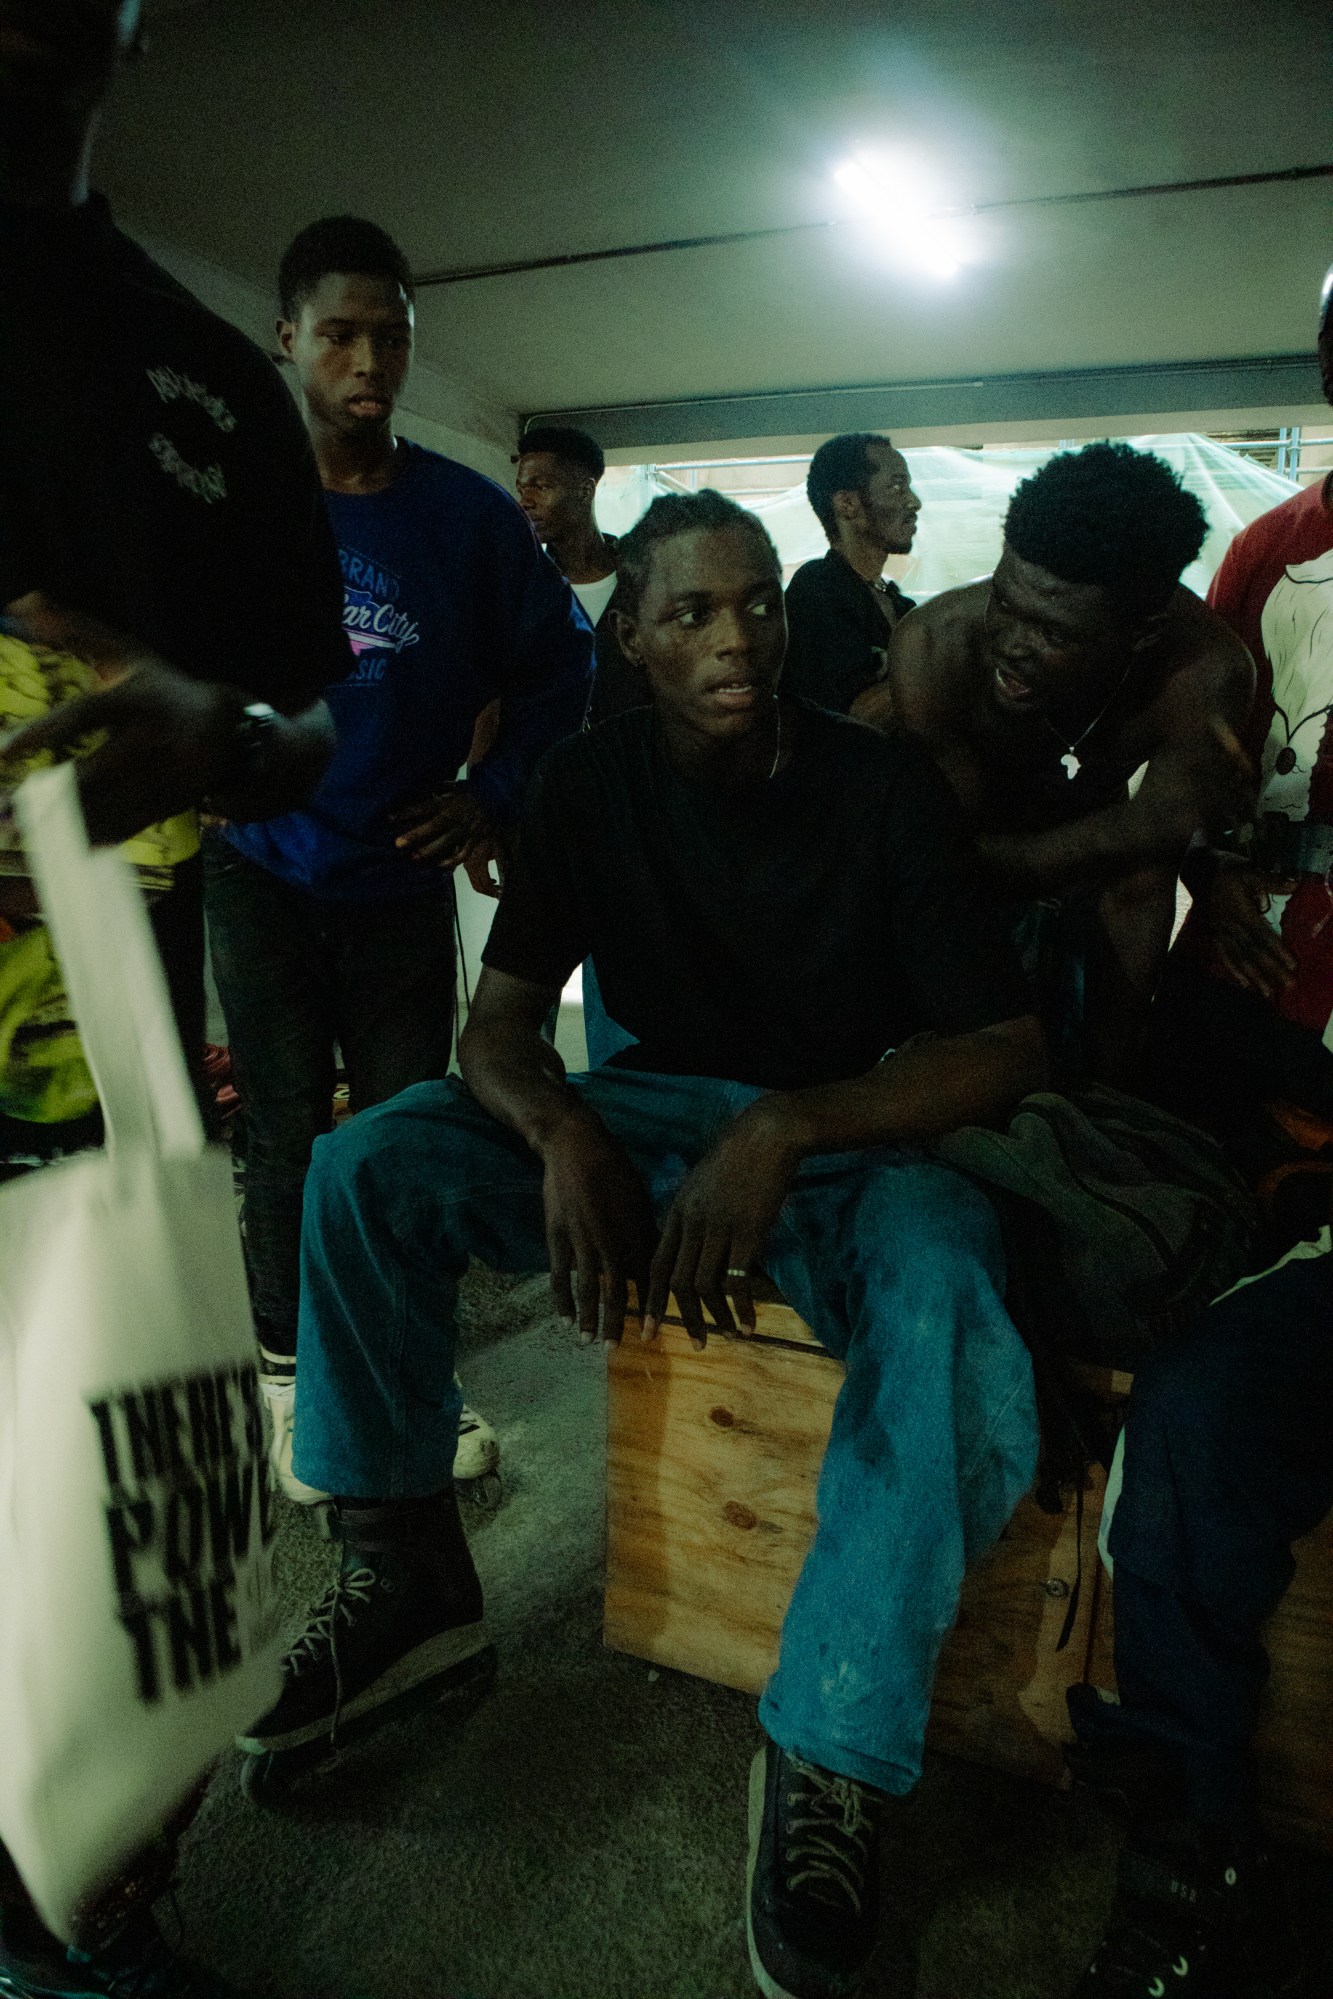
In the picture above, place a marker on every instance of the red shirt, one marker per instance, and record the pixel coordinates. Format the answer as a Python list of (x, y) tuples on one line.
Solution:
[(1275, 589)]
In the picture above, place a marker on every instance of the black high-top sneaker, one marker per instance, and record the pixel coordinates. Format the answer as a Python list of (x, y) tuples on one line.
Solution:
[(1197, 1915), (813, 1897), (405, 1613)]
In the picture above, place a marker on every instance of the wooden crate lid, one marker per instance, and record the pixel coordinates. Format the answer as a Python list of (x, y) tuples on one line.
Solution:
[(775, 1321)]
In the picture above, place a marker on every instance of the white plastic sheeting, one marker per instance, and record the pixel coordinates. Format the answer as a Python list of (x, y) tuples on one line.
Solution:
[(964, 496)]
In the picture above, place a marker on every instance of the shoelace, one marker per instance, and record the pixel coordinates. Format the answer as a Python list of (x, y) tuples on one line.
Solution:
[(831, 1836), (338, 1605)]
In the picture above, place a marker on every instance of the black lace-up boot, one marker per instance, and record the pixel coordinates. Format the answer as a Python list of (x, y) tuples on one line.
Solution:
[(813, 1901), (404, 1613), (1197, 1915)]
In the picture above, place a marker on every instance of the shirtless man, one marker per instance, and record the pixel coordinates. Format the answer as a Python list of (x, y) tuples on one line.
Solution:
[(1043, 691)]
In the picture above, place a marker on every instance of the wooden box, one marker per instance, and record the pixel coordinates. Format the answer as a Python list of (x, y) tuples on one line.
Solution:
[(712, 1463)]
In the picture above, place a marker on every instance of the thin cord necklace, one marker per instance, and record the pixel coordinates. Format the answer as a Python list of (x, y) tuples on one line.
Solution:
[(1070, 760), (777, 747)]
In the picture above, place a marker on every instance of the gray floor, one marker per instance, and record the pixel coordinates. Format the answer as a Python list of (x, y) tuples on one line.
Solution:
[(581, 1833)]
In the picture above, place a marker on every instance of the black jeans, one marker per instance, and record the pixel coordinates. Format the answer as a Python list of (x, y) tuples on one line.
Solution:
[(1228, 1460), (295, 976)]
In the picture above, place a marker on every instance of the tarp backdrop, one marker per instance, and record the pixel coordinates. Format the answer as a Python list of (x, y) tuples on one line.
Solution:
[(964, 495)]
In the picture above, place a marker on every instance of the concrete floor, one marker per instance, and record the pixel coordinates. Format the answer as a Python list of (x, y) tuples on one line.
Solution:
[(581, 1833)]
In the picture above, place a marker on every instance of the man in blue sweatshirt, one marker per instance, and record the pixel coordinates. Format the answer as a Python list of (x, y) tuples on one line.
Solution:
[(335, 924)]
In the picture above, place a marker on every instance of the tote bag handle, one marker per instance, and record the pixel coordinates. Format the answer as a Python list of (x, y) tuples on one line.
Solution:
[(113, 975)]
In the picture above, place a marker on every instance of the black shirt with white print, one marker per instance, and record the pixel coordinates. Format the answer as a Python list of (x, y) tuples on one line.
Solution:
[(155, 475)]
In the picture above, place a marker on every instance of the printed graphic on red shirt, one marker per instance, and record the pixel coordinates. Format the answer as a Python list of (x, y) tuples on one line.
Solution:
[(1297, 770)]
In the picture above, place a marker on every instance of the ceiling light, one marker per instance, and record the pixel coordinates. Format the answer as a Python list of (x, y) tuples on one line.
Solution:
[(891, 196)]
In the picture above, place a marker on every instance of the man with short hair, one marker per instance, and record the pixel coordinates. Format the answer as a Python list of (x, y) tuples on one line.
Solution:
[(776, 899), (841, 607), (558, 473), (335, 924), (1042, 691), (161, 517)]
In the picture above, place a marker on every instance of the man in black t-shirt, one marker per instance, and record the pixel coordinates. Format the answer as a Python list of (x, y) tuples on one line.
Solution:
[(160, 516), (776, 899), (154, 479), (841, 607)]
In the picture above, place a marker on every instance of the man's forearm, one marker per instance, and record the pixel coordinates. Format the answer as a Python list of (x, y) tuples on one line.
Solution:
[(289, 763), (1094, 849), (874, 706), (1126, 953), (519, 1078), (932, 1087)]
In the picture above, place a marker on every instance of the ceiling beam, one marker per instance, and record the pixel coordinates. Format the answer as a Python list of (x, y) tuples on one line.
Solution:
[(464, 274), (1264, 381)]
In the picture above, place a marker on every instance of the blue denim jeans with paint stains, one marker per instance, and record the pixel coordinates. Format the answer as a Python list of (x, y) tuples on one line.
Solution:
[(894, 1260)]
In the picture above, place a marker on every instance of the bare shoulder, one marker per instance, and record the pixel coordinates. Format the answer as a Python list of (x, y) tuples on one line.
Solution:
[(1207, 668), (932, 648), (949, 616)]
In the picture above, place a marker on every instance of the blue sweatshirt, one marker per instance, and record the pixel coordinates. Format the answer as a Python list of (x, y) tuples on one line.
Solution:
[(448, 602)]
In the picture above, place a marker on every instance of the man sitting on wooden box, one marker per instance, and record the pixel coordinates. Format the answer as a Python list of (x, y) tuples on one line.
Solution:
[(776, 899)]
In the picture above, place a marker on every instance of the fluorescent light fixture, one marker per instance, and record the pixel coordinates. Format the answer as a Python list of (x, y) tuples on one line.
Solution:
[(891, 196)]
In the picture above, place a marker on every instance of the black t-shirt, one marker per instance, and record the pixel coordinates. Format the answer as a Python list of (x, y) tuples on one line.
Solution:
[(787, 934), (837, 635), (153, 468), (155, 474)]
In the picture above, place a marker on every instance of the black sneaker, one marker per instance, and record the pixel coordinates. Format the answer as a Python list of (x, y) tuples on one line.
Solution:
[(812, 1902), (1195, 1919), (139, 1963), (398, 1617)]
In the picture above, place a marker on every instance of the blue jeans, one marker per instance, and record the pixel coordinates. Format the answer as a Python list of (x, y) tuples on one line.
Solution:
[(297, 975), (1228, 1460), (605, 1037), (894, 1260)]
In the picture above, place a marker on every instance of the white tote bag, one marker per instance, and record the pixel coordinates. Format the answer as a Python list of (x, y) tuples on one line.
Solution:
[(139, 1628)]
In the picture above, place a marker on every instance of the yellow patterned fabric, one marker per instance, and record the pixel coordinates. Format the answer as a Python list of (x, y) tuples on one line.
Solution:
[(43, 1076)]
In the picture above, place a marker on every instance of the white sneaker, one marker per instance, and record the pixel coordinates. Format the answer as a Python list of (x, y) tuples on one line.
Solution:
[(280, 1397), (478, 1450)]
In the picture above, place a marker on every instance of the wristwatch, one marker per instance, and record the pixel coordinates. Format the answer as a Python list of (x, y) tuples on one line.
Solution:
[(252, 738), (247, 753)]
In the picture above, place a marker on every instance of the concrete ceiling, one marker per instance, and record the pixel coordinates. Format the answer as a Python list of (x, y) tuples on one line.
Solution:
[(482, 133)]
